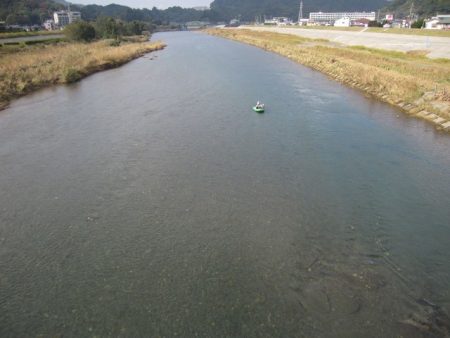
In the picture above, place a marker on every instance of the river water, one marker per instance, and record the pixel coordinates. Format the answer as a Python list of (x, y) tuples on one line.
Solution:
[(150, 200)]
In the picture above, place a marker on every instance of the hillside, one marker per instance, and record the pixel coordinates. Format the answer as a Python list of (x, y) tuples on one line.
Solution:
[(422, 8), (248, 9), (26, 12), (29, 12), (172, 14)]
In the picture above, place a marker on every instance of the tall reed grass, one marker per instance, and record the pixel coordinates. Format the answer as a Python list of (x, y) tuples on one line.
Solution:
[(35, 67)]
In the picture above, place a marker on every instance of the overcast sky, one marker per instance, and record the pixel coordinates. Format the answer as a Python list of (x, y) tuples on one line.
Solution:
[(162, 4)]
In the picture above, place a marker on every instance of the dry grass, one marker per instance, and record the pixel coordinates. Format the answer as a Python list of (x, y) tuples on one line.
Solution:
[(38, 66), (408, 80)]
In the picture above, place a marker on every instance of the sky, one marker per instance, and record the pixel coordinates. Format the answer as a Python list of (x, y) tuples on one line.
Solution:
[(162, 4)]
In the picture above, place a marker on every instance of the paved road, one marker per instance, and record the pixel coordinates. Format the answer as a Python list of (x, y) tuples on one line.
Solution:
[(439, 47), (32, 38)]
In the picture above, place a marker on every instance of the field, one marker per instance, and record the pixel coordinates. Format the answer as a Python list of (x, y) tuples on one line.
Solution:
[(411, 81)]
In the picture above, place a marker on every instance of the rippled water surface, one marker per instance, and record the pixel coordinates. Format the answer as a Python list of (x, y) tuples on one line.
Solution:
[(150, 200)]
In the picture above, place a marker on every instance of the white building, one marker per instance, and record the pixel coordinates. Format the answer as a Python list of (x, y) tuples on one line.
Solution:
[(343, 22), (279, 21), (438, 22), (201, 8), (64, 18), (332, 17), (49, 25)]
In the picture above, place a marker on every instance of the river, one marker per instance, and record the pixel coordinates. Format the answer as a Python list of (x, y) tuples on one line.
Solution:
[(150, 200)]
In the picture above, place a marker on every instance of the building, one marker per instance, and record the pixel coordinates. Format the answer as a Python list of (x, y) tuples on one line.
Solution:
[(49, 25), (74, 16), (64, 18), (361, 23), (278, 21), (201, 8), (342, 22), (438, 22), (321, 17)]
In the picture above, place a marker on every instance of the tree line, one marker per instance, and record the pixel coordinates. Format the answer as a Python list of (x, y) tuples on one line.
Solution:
[(104, 28), (35, 12)]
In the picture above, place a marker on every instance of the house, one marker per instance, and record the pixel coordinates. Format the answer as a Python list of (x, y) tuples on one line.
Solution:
[(49, 25), (278, 21), (438, 22), (342, 22), (303, 22), (360, 22)]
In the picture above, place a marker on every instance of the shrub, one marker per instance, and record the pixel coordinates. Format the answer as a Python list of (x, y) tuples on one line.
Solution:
[(80, 31), (114, 43), (72, 75), (418, 24), (375, 24)]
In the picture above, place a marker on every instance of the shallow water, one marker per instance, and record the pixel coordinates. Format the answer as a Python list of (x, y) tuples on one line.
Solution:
[(150, 200)]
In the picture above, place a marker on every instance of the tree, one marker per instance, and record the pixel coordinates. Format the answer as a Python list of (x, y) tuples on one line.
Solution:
[(418, 24), (136, 27), (108, 28), (80, 31)]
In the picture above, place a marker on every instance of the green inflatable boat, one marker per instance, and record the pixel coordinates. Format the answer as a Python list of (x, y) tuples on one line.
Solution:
[(259, 109)]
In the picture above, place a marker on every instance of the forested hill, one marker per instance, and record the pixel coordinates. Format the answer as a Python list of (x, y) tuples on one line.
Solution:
[(248, 9), (172, 14), (29, 12), (422, 8), (26, 12)]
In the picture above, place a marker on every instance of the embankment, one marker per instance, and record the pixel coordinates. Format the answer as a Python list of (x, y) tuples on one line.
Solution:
[(36, 67), (418, 85)]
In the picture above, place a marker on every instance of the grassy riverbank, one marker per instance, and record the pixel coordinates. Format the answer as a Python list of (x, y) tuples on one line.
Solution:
[(35, 67), (411, 81)]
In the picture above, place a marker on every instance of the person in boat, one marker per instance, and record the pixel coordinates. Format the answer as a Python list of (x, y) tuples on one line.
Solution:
[(259, 105)]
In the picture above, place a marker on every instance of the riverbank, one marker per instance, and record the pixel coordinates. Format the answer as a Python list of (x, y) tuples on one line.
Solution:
[(418, 85), (35, 67)]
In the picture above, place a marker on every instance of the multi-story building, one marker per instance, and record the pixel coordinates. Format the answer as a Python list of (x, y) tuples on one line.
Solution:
[(74, 16), (64, 18), (332, 17)]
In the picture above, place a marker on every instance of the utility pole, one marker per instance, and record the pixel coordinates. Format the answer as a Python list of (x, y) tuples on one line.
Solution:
[(411, 10), (300, 12)]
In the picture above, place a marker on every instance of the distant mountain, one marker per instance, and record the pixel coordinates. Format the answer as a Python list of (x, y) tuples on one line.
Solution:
[(422, 8), (248, 9)]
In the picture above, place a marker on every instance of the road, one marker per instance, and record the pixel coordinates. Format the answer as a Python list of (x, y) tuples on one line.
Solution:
[(438, 47), (32, 38)]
